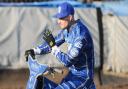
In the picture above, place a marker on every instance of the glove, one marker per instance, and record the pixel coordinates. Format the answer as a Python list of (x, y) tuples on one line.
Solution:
[(48, 37), (29, 52)]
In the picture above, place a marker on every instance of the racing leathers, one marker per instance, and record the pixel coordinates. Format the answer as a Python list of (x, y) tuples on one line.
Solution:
[(79, 58)]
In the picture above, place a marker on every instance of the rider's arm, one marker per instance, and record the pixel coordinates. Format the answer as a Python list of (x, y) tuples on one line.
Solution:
[(45, 48), (70, 57)]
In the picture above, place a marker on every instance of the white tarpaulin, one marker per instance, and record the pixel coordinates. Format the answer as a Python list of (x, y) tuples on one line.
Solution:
[(21, 29), (116, 41)]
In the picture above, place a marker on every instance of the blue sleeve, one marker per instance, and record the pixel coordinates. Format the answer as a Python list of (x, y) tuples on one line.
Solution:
[(45, 48), (60, 38), (71, 57)]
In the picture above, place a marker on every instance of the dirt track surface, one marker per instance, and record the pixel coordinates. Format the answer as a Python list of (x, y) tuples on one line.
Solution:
[(17, 79)]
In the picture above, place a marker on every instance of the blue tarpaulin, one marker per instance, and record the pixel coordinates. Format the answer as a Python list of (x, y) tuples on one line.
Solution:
[(117, 8)]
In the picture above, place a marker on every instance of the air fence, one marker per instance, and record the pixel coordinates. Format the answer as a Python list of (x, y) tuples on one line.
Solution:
[(22, 24)]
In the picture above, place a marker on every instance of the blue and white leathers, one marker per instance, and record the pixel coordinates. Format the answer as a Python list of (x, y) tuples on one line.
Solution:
[(79, 58)]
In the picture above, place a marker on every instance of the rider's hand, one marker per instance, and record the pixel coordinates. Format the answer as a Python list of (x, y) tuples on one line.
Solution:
[(48, 37), (29, 52)]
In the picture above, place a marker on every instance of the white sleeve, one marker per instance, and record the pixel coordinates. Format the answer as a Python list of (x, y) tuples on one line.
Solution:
[(37, 50)]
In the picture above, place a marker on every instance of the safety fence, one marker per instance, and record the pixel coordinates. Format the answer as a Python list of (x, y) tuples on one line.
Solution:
[(21, 29)]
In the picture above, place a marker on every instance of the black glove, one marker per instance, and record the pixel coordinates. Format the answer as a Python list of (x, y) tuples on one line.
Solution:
[(29, 52), (48, 37)]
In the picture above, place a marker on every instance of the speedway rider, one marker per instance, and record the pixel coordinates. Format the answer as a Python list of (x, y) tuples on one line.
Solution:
[(80, 56)]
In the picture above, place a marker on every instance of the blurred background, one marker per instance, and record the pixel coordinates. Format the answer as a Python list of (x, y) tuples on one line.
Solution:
[(23, 21)]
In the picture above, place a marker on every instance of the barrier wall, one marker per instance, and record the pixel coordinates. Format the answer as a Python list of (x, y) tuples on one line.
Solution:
[(21, 29)]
